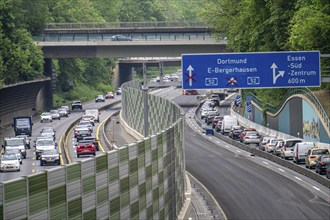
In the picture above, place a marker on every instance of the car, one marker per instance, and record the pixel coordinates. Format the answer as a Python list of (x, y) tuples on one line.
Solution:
[(50, 157), (76, 105), (235, 132), (327, 171), (43, 144), (48, 130), (85, 148), (85, 123), (118, 91), (313, 155), (67, 108), (14, 143), (109, 95), (269, 146), (9, 162), (95, 113), (218, 126), (27, 140), (46, 116), (321, 164), (63, 112), (251, 137), (287, 149), (94, 140), (263, 142), (55, 114), (191, 92), (82, 132), (245, 130), (215, 120), (210, 116), (119, 37), (277, 148), (89, 118), (18, 154), (300, 150), (204, 113), (100, 98)]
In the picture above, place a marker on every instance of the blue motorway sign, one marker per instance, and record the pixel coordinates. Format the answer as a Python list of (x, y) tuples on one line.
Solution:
[(251, 70)]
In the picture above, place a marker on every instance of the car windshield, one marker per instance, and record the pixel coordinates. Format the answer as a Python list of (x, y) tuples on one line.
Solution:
[(14, 142), (9, 157), (53, 111), (320, 152), (45, 114), (49, 152), (87, 142), (47, 130), (251, 133), (45, 142), (22, 121)]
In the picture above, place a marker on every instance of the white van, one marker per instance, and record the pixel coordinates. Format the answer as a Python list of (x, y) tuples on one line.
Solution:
[(300, 150), (93, 112), (227, 122)]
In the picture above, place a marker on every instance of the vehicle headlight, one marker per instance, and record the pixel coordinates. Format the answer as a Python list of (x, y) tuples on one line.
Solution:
[(57, 158)]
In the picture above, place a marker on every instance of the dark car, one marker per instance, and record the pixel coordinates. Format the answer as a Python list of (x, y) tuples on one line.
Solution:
[(119, 37), (235, 132), (76, 105), (191, 92), (321, 164), (82, 132), (218, 126), (50, 157)]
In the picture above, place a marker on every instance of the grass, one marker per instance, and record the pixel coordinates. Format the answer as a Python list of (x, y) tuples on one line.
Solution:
[(324, 98)]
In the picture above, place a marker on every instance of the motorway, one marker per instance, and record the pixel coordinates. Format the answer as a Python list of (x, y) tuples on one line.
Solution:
[(30, 164), (248, 187)]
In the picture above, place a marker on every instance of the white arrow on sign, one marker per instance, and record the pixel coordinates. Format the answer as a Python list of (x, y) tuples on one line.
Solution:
[(190, 69), (280, 73)]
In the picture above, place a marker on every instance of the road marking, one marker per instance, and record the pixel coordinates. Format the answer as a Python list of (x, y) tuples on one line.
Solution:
[(316, 188), (33, 170), (281, 169), (227, 146), (218, 142), (298, 178), (210, 138), (238, 151), (265, 162)]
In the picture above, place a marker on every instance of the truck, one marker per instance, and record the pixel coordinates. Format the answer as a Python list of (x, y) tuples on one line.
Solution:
[(23, 125), (227, 122)]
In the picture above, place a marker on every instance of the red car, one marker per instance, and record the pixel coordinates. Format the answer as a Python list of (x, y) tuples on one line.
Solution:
[(85, 148), (215, 120), (191, 92), (109, 95)]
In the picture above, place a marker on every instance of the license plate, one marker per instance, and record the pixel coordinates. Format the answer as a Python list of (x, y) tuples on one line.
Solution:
[(86, 151)]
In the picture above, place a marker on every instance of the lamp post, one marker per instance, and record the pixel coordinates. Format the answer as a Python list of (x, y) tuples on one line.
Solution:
[(145, 101)]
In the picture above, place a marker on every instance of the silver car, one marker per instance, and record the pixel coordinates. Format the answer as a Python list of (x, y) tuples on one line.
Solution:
[(55, 114), (9, 162)]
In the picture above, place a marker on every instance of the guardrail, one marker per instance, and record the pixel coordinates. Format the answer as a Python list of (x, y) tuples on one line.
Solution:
[(129, 25)]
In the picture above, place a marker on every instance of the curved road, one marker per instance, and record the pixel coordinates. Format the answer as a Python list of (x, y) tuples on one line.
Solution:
[(249, 187)]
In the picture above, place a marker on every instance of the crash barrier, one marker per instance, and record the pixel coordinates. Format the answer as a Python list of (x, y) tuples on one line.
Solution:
[(142, 180), (289, 164)]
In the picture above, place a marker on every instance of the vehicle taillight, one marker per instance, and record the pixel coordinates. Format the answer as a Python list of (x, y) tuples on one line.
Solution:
[(247, 137), (322, 163), (284, 147), (312, 157)]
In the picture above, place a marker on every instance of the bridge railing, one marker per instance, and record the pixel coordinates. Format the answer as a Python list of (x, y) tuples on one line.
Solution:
[(129, 25)]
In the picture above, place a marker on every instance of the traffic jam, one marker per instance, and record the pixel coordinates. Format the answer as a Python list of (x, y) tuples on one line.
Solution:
[(42, 148), (294, 149)]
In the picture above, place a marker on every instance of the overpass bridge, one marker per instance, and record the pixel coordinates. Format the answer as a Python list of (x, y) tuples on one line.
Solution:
[(148, 39)]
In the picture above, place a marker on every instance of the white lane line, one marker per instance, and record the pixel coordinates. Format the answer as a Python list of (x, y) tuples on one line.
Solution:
[(316, 188), (298, 178), (227, 146), (238, 151), (218, 142), (265, 162), (210, 138), (281, 169)]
